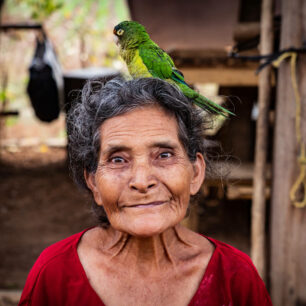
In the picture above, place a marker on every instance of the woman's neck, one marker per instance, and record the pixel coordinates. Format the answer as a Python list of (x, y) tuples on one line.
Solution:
[(167, 248)]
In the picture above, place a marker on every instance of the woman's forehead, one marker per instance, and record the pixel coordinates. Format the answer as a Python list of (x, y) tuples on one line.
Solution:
[(150, 122)]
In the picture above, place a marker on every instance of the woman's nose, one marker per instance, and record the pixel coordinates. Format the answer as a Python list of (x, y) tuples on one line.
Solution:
[(142, 178)]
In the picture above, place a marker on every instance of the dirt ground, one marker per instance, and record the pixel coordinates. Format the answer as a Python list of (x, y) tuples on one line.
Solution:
[(40, 205)]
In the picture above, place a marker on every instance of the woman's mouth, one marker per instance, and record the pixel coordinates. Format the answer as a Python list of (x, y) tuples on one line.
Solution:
[(146, 205)]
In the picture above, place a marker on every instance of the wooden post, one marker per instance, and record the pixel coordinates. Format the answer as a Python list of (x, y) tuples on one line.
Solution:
[(260, 169), (288, 231)]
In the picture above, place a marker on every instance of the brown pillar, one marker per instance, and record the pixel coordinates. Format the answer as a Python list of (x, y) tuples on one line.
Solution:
[(288, 231), (258, 245)]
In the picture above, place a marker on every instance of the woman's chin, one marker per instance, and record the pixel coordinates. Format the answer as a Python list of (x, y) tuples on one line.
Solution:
[(146, 228), (147, 231), (146, 223)]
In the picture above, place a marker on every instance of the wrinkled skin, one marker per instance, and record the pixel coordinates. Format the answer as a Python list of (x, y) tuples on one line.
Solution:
[(144, 178)]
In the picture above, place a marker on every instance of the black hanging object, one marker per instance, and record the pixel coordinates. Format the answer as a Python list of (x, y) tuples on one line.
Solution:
[(45, 82)]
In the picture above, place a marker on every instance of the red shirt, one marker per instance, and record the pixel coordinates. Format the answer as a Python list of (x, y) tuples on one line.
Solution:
[(58, 278)]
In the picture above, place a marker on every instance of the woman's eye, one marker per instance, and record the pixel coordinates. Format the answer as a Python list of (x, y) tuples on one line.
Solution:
[(165, 155), (117, 160)]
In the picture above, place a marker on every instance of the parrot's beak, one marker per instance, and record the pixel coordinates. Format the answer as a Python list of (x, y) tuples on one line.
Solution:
[(116, 40)]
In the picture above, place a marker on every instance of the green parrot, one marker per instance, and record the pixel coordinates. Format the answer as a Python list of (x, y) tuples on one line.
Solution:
[(144, 58)]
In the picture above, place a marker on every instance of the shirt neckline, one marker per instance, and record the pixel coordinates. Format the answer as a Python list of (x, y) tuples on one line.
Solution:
[(86, 280)]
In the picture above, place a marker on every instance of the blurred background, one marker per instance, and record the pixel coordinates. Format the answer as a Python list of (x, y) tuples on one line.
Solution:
[(217, 45)]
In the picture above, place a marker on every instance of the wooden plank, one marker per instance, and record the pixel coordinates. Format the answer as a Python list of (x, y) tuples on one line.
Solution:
[(236, 173), (258, 212), (288, 232), (236, 182), (221, 75), (188, 24), (239, 192)]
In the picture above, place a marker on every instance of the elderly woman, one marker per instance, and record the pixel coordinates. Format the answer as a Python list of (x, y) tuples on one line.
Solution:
[(137, 146)]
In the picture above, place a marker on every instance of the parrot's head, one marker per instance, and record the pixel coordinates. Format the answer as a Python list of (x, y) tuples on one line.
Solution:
[(130, 34)]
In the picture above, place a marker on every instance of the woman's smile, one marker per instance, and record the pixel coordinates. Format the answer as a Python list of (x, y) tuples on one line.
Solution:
[(146, 205)]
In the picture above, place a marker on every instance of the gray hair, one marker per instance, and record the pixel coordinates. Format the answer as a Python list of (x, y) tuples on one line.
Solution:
[(99, 102)]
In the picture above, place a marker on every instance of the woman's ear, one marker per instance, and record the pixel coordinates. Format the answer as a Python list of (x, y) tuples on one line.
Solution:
[(91, 184), (198, 174)]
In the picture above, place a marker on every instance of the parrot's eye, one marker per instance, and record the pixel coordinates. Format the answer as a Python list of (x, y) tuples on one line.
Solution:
[(120, 32)]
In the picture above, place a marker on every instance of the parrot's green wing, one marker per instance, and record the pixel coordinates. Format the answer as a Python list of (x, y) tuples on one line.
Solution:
[(159, 63)]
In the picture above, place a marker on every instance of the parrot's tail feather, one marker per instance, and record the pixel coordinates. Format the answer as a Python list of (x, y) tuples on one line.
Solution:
[(201, 101), (211, 106), (207, 107)]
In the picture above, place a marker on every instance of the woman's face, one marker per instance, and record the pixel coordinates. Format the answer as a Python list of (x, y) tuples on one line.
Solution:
[(144, 178)]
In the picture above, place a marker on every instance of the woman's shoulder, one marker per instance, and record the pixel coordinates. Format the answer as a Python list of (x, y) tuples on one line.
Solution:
[(231, 256), (232, 273), (59, 249), (56, 255), (56, 268)]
